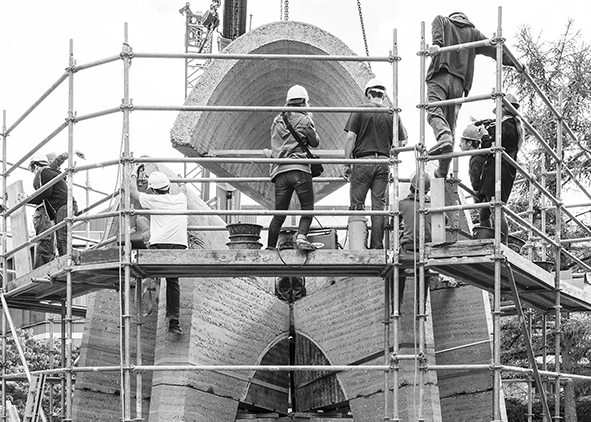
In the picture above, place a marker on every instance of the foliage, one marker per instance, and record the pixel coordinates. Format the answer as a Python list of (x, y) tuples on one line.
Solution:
[(38, 354), (559, 66)]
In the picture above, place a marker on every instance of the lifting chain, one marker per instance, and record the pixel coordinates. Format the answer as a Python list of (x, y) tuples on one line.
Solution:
[(280, 9), (286, 11), (363, 30)]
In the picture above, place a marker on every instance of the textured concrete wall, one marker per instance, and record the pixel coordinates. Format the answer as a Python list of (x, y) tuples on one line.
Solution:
[(265, 83), (345, 320)]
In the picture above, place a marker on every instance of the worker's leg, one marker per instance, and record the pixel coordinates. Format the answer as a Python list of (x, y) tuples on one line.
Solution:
[(304, 188), (45, 248), (283, 193), (62, 233), (173, 294), (360, 182), (379, 195)]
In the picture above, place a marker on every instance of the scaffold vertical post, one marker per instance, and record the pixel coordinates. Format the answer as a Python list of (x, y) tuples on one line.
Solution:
[(126, 207), (557, 287), (497, 226), (4, 259), (393, 282), (138, 358), (420, 280), (69, 225)]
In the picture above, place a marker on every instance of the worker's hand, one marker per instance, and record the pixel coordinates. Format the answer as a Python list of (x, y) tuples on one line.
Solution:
[(138, 170), (433, 49), (80, 154), (346, 171)]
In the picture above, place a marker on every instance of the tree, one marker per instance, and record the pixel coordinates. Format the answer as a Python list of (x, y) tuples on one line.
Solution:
[(38, 354)]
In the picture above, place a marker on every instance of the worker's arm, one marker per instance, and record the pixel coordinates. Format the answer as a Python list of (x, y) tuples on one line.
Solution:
[(349, 145), (437, 31), (133, 191)]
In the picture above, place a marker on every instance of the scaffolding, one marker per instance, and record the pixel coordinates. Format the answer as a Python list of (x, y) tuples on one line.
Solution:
[(488, 265)]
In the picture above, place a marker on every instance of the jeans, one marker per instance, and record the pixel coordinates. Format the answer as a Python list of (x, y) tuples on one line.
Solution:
[(285, 184), (45, 249), (173, 290), (444, 86), (62, 234), (375, 177)]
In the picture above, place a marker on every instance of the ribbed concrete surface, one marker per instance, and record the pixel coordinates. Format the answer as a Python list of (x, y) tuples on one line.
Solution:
[(345, 320), (265, 83)]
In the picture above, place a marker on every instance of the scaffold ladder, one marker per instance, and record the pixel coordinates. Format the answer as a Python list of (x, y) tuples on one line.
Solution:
[(33, 407)]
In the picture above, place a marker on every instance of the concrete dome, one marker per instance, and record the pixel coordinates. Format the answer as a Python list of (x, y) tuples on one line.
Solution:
[(265, 83)]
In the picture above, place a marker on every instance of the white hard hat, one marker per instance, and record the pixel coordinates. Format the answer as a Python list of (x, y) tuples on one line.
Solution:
[(375, 84), (38, 158), (295, 92), (158, 180), (511, 98)]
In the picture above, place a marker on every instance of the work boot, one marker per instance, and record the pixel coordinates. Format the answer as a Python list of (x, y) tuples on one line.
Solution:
[(444, 146), (175, 327), (303, 244), (443, 168)]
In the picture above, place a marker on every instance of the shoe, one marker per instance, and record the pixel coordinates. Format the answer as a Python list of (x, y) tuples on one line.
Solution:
[(439, 174), (303, 244), (175, 327), (442, 147), (271, 248)]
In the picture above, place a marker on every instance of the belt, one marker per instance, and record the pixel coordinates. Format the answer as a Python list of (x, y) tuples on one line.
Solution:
[(373, 155)]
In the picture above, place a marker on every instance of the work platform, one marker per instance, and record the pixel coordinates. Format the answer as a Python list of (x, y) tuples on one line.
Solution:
[(472, 261)]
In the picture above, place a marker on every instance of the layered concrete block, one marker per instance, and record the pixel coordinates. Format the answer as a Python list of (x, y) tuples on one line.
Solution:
[(265, 83)]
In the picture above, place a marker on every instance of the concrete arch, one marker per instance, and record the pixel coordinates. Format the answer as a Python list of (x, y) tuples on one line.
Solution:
[(256, 82)]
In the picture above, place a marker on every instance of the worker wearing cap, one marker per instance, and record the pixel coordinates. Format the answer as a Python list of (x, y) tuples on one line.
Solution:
[(410, 213), (472, 139), (51, 208), (450, 76), (371, 135), (511, 141), (292, 177), (166, 232)]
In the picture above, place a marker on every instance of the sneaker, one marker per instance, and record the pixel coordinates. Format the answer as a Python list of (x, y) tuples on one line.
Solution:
[(442, 147), (303, 244), (175, 327)]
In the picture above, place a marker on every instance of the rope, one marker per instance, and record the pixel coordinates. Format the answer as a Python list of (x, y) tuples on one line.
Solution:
[(362, 30)]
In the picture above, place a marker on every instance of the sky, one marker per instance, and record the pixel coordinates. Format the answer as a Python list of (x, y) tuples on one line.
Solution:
[(35, 43)]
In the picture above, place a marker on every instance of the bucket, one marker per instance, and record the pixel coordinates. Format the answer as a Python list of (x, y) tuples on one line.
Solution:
[(357, 227)]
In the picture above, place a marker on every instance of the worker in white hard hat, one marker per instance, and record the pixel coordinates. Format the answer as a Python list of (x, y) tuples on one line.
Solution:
[(371, 136), (409, 214), (511, 141), (51, 208), (166, 231), (472, 138), (450, 76), (293, 177)]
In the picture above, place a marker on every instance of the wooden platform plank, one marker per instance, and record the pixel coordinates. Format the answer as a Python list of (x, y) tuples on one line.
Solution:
[(472, 262)]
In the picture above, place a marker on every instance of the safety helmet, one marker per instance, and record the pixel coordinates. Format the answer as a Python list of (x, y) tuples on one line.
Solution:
[(375, 84), (296, 92), (51, 156), (38, 158), (414, 182), (473, 133), (511, 98), (158, 180)]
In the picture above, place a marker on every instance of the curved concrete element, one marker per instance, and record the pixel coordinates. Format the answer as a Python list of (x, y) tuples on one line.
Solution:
[(265, 83)]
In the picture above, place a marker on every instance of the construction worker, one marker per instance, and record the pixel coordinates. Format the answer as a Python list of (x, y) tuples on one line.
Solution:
[(166, 232), (511, 141), (370, 135), (410, 214), (51, 207), (290, 178), (449, 77), (471, 139)]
